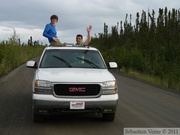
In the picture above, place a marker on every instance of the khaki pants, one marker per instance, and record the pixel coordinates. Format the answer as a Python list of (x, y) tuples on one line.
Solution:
[(54, 43)]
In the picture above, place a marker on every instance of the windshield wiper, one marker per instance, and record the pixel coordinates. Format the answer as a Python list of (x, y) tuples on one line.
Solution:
[(89, 62), (67, 63)]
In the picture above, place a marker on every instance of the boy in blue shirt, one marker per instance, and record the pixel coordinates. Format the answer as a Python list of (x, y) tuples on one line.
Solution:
[(51, 33)]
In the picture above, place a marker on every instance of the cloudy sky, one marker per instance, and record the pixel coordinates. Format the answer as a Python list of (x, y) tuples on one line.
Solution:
[(29, 17)]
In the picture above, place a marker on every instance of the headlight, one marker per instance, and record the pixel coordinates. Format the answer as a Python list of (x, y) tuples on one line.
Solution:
[(42, 83), (42, 87), (109, 87), (109, 84)]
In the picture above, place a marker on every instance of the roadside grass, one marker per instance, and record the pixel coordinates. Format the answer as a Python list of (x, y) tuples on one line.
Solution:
[(149, 78), (12, 56)]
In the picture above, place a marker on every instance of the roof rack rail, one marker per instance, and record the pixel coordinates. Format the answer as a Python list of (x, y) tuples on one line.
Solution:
[(68, 45)]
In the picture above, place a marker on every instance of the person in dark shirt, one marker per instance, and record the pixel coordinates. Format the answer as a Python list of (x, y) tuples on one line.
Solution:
[(51, 33)]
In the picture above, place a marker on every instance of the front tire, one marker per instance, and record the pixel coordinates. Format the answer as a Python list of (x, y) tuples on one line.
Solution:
[(108, 116)]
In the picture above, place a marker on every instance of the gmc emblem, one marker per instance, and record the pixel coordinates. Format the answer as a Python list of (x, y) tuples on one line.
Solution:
[(74, 89)]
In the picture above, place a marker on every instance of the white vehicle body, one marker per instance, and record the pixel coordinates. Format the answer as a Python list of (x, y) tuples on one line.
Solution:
[(73, 79)]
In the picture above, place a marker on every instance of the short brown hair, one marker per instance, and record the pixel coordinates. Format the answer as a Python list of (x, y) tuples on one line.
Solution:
[(79, 35), (54, 17)]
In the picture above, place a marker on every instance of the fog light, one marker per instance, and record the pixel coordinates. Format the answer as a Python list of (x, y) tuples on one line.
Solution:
[(43, 111), (108, 110)]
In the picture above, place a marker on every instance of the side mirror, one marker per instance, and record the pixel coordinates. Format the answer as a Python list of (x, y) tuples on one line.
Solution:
[(31, 64), (113, 65)]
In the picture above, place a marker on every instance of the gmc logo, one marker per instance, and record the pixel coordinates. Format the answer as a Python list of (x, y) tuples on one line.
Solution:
[(74, 89)]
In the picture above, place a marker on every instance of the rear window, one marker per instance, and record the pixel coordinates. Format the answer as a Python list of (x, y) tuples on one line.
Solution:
[(55, 58)]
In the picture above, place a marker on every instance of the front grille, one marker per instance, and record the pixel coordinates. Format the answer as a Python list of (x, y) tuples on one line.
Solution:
[(76, 89)]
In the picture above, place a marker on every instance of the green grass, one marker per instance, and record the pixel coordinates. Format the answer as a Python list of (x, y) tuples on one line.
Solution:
[(12, 56), (150, 78)]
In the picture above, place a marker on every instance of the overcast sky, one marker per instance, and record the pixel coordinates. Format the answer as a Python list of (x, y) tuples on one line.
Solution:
[(29, 17)]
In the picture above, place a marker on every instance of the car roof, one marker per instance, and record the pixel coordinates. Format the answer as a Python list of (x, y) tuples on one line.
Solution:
[(71, 48)]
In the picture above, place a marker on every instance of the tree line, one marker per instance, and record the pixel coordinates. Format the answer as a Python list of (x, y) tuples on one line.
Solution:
[(15, 40), (150, 46), (13, 53)]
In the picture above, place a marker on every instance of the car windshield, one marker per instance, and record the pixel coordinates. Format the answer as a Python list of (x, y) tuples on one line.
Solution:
[(66, 58)]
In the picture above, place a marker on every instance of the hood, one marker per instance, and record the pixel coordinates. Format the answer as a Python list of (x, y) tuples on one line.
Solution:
[(74, 75)]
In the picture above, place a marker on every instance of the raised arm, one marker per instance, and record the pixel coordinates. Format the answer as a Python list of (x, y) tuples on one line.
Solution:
[(88, 40)]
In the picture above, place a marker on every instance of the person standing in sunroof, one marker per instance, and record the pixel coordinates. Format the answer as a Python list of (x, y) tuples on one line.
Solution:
[(79, 38), (51, 33)]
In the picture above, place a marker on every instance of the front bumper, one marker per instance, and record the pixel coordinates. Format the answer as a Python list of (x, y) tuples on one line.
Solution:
[(50, 105)]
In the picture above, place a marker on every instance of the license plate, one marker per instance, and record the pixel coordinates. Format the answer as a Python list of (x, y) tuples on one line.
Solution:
[(77, 105)]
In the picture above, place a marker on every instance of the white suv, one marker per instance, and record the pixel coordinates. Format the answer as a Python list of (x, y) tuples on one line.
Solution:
[(73, 79)]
